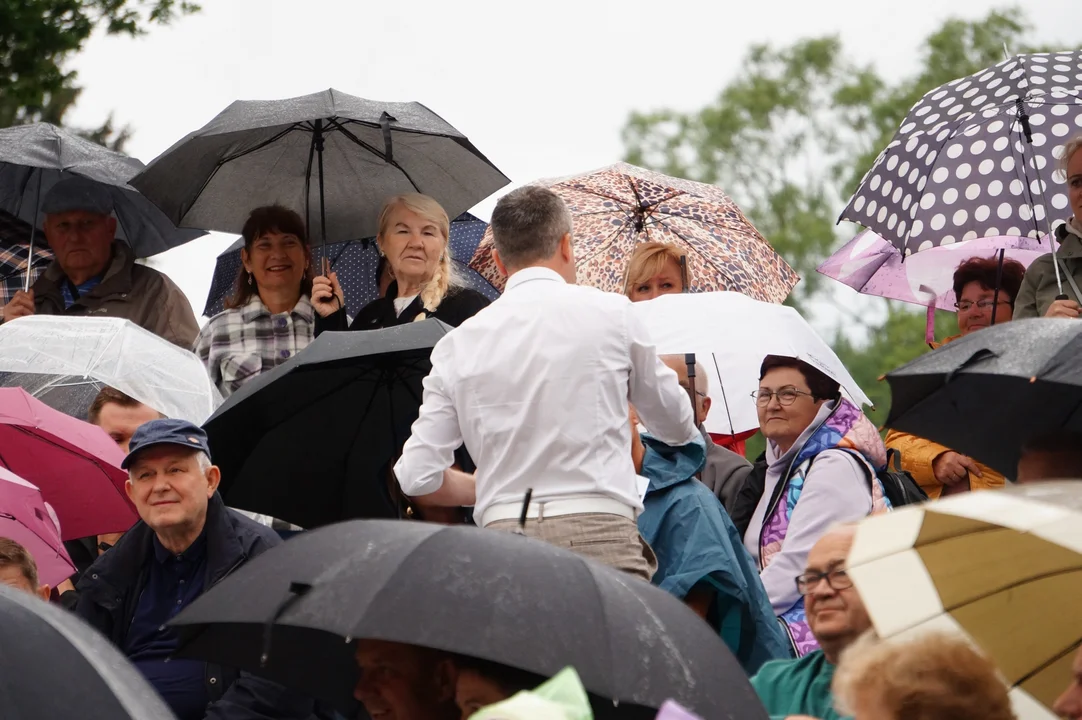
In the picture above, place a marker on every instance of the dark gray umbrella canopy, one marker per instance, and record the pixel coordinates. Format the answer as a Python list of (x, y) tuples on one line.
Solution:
[(52, 665), (491, 595), (44, 153), (987, 393), (266, 151)]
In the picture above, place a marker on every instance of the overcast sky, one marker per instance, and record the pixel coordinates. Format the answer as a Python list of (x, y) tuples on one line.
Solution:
[(541, 88)]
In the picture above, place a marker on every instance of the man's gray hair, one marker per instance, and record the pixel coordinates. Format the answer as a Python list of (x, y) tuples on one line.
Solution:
[(702, 380), (528, 224)]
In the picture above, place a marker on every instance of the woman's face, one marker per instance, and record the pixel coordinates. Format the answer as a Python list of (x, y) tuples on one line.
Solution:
[(975, 307), (277, 261), (667, 281), (412, 244), (784, 423), (474, 691), (1074, 184)]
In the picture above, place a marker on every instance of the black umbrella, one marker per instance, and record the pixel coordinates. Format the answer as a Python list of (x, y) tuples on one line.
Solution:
[(313, 441), (52, 665), (35, 157), (333, 156), (985, 394), (495, 596)]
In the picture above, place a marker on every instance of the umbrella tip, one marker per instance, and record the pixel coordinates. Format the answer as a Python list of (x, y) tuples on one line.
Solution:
[(1033, 379), (882, 377)]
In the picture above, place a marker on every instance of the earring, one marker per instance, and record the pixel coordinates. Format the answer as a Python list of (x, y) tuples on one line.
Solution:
[(251, 279)]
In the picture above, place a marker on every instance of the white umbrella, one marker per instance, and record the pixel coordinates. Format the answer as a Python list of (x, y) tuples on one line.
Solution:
[(730, 335), (65, 361), (1002, 567)]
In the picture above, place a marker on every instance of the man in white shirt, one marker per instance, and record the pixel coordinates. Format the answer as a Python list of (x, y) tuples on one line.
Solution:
[(537, 385)]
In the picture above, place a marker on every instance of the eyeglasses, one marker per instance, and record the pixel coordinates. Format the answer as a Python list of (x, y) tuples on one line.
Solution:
[(837, 579), (966, 305), (786, 396)]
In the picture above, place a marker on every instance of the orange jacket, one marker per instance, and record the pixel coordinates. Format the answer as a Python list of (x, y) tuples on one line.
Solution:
[(918, 454)]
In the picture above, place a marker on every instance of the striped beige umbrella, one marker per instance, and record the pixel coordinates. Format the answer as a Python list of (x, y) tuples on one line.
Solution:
[(1004, 567)]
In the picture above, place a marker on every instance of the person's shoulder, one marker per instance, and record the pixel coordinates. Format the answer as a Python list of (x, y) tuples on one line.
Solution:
[(254, 537), (147, 279), (222, 318), (1042, 264), (773, 670)]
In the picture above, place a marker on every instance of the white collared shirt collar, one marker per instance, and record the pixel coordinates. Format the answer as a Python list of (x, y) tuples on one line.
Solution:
[(532, 273)]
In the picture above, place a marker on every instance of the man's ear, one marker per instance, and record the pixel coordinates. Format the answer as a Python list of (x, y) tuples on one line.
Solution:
[(214, 477), (128, 488), (706, 407), (45, 591), (446, 679), (499, 262), (567, 250)]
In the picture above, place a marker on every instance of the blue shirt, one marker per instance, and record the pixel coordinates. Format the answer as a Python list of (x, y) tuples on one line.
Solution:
[(173, 583), (70, 295)]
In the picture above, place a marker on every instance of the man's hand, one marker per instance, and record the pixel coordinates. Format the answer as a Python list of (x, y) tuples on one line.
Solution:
[(1064, 309), (20, 306), (327, 295), (951, 468)]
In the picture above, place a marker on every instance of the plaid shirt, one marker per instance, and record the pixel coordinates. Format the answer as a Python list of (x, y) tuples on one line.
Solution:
[(236, 345), (14, 246)]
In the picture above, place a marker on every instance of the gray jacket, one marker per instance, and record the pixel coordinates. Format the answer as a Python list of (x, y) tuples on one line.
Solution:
[(725, 472), (1039, 287)]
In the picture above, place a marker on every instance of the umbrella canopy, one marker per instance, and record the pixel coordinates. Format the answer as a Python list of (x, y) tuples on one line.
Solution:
[(53, 665), (64, 362), (872, 266), (35, 157), (26, 519), (15, 248), (1003, 567), (976, 157), (356, 263), (333, 157), (987, 393), (465, 590), (731, 346), (619, 206), (313, 440), (75, 464)]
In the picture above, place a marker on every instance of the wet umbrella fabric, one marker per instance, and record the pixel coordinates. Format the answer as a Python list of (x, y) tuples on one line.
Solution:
[(52, 665), (977, 157), (355, 262), (312, 442), (987, 393), (331, 156), (509, 599)]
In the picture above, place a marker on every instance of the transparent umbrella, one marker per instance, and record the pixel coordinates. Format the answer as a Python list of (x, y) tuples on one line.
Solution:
[(64, 362)]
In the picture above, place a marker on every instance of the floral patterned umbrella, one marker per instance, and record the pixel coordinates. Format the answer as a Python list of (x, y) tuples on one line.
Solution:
[(621, 205)]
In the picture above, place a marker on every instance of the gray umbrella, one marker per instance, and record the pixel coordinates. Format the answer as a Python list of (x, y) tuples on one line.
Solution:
[(52, 665), (35, 157), (331, 156)]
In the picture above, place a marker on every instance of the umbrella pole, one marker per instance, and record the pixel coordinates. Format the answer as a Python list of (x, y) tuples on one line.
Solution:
[(684, 272), (689, 360), (999, 279), (33, 232), (322, 204), (1027, 131)]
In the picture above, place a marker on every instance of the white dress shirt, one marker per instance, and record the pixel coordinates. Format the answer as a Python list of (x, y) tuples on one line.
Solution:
[(537, 384)]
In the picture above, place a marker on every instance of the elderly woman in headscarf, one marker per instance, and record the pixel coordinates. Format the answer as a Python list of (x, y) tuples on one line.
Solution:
[(414, 237), (936, 468)]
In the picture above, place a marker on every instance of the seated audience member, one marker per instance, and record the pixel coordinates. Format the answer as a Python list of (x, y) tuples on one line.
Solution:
[(1055, 456), (837, 618), (822, 454), (480, 683), (269, 318), (185, 542), (936, 468), (405, 682), (18, 570), (725, 471), (93, 274), (933, 676), (1069, 704), (654, 269), (700, 556)]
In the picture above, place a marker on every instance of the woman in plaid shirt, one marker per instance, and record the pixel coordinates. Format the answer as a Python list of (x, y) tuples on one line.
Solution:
[(269, 318)]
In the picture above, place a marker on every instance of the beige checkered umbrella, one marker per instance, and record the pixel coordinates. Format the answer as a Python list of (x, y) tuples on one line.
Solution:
[(1004, 567)]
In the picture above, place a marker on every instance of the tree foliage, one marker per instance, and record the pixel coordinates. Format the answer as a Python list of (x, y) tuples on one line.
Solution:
[(38, 37)]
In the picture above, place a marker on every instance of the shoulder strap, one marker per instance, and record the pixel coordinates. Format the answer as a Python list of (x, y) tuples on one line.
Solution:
[(869, 473)]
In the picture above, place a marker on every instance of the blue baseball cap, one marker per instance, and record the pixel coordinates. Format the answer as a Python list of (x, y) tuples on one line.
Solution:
[(166, 431), (77, 193)]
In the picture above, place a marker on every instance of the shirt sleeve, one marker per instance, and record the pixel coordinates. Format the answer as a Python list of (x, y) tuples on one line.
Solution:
[(653, 388), (434, 438), (836, 490)]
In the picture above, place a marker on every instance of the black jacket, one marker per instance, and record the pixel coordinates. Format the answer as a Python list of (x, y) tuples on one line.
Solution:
[(109, 592), (749, 494), (460, 305)]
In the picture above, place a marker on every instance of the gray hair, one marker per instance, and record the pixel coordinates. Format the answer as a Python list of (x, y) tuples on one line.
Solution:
[(702, 380), (528, 224)]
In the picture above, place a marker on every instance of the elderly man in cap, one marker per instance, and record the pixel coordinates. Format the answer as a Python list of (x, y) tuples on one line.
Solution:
[(185, 542), (95, 275)]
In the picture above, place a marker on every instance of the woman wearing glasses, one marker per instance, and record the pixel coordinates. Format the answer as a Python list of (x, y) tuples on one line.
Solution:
[(822, 454), (938, 469)]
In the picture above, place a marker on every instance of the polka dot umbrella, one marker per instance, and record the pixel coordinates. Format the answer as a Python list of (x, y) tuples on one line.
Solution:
[(977, 157), (356, 262)]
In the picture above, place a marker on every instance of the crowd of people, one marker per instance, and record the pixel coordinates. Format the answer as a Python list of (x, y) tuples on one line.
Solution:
[(556, 394)]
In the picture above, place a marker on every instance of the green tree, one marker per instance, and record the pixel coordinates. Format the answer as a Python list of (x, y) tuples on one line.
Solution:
[(790, 137), (38, 37)]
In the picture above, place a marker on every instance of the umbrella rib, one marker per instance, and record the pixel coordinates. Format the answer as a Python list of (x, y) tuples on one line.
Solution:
[(703, 257), (1049, 663), (393, 163)]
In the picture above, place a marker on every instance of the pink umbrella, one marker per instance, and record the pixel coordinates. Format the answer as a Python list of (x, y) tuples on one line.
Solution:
[(25, 518), (75, 464), (872, 266)]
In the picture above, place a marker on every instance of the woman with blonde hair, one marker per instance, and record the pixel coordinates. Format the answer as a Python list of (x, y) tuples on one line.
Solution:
[(655, 269), (933, 676), (414, 238)]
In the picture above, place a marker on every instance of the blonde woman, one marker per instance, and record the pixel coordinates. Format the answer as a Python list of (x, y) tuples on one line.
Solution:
[(654, 269), (414, 238)]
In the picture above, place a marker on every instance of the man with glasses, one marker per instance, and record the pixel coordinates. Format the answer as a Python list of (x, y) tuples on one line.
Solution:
[(837, 617)]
